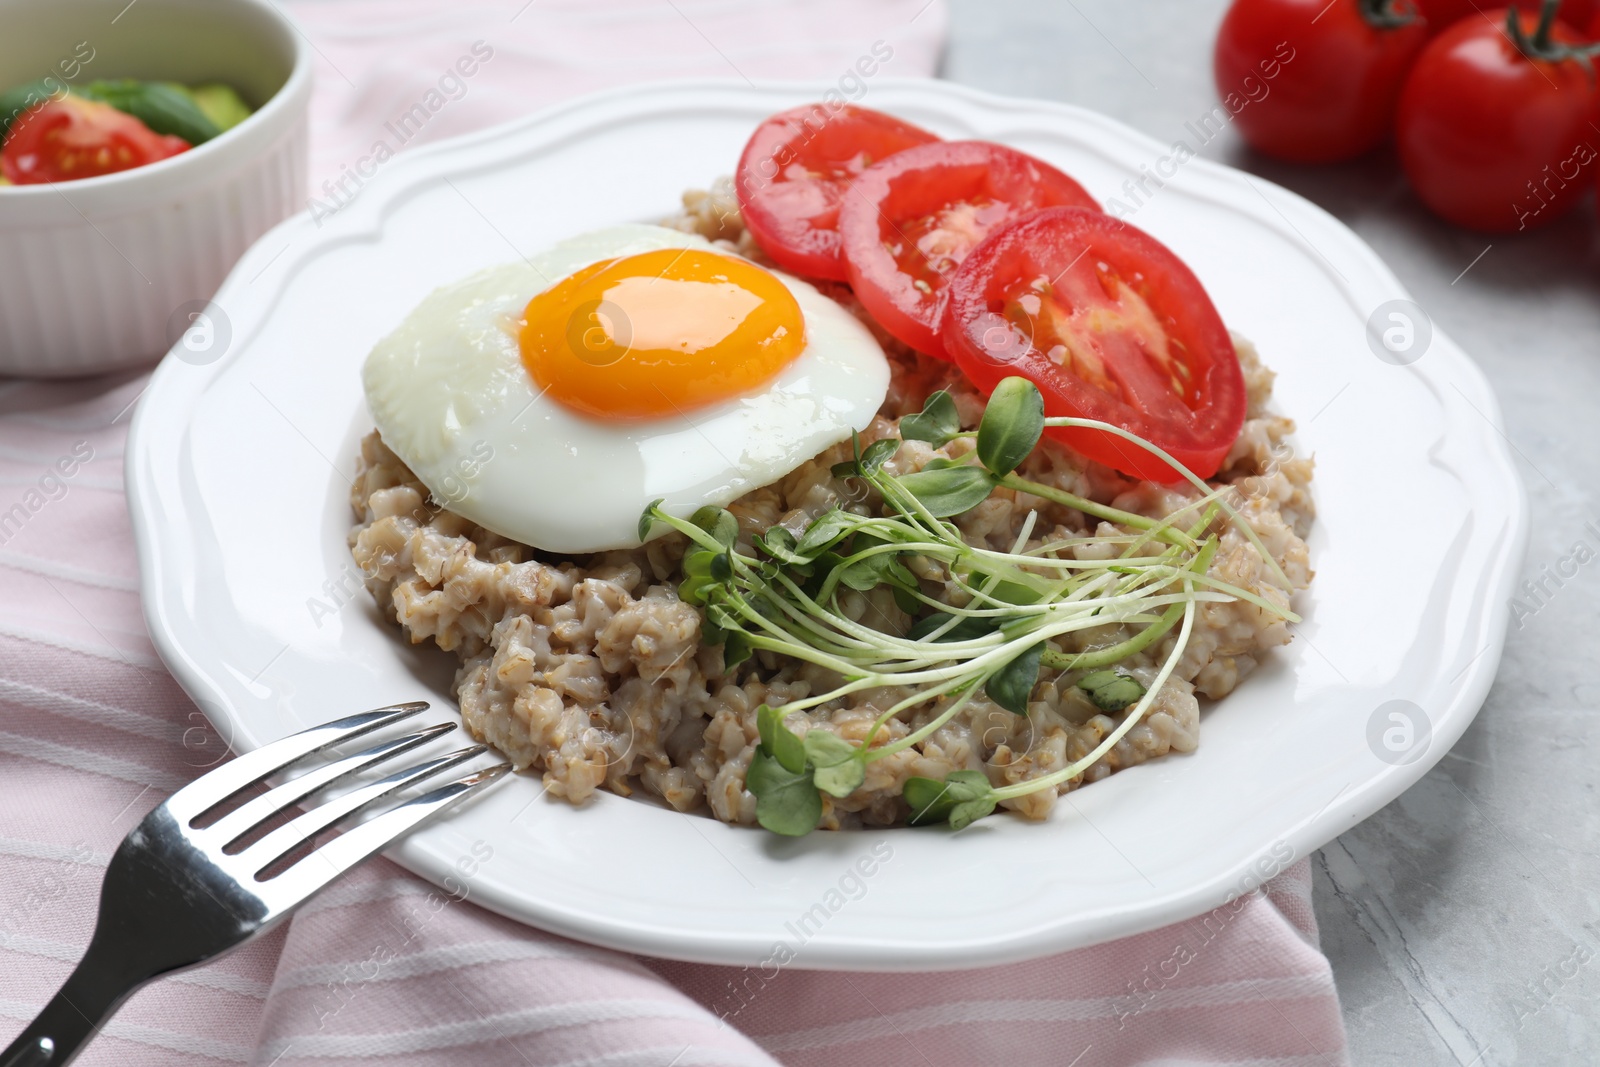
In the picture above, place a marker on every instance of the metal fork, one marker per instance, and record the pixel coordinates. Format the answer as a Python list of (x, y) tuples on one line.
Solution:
[(195, 880)]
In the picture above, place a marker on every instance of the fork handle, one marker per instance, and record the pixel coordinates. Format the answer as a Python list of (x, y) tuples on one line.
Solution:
[(89, 996)]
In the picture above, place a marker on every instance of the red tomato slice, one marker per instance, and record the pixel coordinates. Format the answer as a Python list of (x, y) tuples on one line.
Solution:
[(793, 173), (1110, 325), (909, 221), (71, 137)]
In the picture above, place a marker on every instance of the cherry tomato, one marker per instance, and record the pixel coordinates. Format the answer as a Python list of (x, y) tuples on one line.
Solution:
[(793, 174), (1315, 81), (910, 220), (71, 137), (1441, 14), (1578, 12), (1495, 140), (1110, 325)]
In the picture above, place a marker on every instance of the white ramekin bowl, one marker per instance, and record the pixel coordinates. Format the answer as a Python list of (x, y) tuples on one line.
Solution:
[(104, 273)]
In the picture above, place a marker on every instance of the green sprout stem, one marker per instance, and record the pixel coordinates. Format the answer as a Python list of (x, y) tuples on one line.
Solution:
[(1189, 476), (924, 732), (1105, 657), (1129, 721), (1000, 612), (1099, 511)]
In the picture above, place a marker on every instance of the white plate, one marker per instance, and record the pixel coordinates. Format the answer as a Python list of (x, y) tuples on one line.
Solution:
[(237, 482)]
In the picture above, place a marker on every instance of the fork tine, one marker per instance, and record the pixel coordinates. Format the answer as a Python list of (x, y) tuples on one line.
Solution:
[(254, 812), (350, 848), (208, 791), (296, 832)]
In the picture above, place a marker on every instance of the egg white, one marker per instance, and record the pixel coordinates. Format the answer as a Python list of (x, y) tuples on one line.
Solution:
[(449, 394)]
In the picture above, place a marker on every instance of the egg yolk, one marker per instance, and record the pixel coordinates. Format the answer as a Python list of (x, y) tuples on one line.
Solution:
[(660, 333)]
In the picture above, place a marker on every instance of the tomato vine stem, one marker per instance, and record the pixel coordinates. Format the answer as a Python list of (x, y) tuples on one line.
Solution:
[(1388, 14), (1540, 48)]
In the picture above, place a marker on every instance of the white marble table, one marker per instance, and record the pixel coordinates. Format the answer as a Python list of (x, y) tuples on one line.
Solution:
[(1463, 920)]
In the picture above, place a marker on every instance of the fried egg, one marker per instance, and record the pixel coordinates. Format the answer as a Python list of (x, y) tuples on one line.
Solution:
[(552, 400)]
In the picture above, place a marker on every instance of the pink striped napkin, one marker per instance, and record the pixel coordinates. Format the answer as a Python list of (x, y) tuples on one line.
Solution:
[(385, 969)]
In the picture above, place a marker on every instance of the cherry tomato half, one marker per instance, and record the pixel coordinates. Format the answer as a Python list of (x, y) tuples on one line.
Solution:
[(1492, 139), (909, 221), (1110, 325), (1315, 81), (793, 174), (71, 137)]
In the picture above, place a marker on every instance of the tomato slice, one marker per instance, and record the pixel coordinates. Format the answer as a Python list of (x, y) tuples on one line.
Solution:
[(909, 221), (793, 174), (71, 137), (1110, 325)]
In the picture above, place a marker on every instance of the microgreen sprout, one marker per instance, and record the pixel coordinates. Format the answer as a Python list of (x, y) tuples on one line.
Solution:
[(783, 594)]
